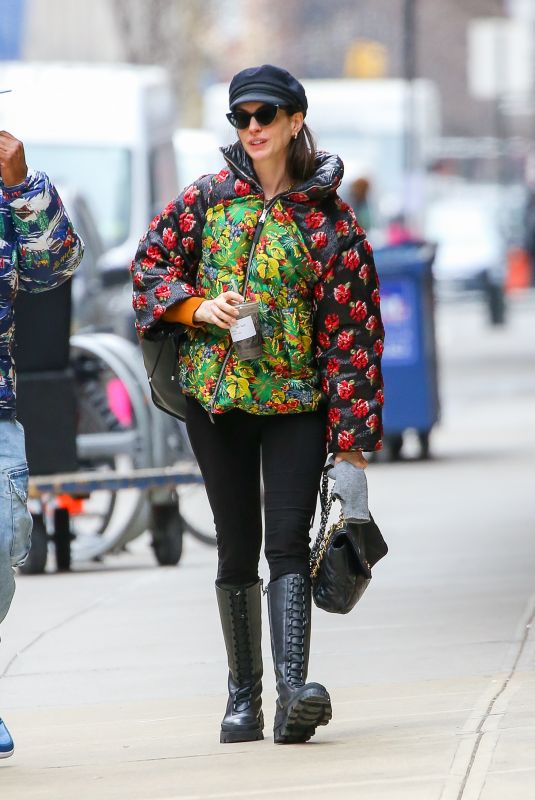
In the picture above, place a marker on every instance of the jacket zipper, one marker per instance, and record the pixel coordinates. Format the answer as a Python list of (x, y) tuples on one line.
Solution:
[(258, 230)]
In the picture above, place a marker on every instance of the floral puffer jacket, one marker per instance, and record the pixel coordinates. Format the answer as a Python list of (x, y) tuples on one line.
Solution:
[(313, 273), (39, 250)]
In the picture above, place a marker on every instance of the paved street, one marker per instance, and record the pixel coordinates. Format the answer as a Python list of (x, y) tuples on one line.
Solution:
[(113, 677)]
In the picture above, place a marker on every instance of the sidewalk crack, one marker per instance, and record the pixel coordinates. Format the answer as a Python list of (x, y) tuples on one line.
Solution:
[(67, 620), (489, 710)]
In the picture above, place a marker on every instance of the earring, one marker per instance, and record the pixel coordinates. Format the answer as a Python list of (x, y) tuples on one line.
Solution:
[(296, 134)]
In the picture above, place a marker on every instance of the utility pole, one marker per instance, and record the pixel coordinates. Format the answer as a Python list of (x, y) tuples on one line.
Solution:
[(409, 39), (409, 73), (501, 42), (170, 33)]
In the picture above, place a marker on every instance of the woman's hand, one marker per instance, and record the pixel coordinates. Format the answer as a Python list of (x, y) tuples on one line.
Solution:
[(354, 457), (220, 311)]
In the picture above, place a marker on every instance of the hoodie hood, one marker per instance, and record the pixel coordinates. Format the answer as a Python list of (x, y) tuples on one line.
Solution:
[(325, 180)]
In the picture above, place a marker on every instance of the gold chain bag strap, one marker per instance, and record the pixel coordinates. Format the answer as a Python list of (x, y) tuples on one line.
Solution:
[(324, 536), (341, 557)]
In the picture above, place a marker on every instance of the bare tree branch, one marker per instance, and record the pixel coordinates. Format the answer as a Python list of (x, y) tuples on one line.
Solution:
[(174, 34)]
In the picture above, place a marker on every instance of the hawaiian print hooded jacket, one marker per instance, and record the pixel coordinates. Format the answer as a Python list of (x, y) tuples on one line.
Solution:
[(39, 250), (313, 274)]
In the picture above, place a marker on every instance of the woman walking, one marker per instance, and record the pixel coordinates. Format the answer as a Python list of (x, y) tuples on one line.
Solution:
[(269, 228)]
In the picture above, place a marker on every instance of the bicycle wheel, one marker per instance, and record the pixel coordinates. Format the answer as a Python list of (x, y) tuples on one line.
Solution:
[(105, 443)]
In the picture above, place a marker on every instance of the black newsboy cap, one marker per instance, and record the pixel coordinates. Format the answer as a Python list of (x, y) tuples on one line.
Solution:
[(267, 84)]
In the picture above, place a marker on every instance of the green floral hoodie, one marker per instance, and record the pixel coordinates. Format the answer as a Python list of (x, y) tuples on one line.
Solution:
[(312, 272)]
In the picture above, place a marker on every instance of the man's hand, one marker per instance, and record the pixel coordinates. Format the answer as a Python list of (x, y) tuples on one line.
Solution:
[(220, 311), (13, 169), (354, 457)]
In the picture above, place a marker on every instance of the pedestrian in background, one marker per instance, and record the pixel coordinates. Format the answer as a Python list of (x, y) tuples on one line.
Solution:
[(360, 202), (529, 234), (39, 250), (270, 228), (398, 231)]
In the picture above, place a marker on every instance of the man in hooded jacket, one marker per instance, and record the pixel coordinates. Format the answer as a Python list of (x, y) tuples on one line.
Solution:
[(39, 250)]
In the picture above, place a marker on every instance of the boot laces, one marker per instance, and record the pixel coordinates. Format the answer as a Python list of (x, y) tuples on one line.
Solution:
[(242, 649), (297, 625)]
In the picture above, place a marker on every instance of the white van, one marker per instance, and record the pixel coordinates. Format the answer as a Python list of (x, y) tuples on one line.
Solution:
[(106, 131), (365, 122), (197, 153)]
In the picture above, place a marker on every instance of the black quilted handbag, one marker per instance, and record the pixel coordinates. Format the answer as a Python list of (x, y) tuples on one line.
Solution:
[(160, 356), (342, 558)]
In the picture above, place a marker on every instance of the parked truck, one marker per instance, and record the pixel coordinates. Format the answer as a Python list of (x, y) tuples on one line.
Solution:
[(105, 131)]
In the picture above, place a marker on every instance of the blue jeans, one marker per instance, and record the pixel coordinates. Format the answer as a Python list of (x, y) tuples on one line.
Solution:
[(15, 519)]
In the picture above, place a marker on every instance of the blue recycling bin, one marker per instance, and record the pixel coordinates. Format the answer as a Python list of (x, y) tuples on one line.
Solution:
[(410, 354)]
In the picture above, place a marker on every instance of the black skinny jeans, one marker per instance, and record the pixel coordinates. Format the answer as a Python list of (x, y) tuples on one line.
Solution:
[(291, 450)]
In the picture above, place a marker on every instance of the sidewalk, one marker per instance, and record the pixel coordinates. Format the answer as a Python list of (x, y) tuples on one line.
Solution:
[(409, 739), (114, 677)]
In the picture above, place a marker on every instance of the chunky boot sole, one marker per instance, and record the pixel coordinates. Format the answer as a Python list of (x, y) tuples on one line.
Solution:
[(243, 734), (309, 709), (250, 735)]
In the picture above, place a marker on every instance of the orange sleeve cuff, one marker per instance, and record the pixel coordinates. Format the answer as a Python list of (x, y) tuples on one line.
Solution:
[(183, 311)]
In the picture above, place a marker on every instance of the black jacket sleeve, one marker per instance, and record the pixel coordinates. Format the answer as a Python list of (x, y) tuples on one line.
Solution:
[(349, 339), (165, 266)]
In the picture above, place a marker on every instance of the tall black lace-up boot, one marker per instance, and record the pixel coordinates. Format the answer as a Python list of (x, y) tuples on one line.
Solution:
[(301, 706), (239, 608)]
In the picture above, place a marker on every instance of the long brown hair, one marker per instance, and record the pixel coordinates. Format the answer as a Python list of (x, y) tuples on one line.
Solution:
[(301, 161)]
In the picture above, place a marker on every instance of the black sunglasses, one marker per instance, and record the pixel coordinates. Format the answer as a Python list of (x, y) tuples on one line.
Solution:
[(264, 115)]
